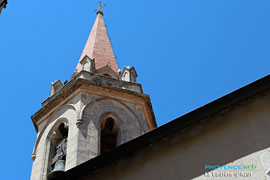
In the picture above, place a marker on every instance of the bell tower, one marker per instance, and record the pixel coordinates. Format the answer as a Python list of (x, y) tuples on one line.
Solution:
[(98, 109)]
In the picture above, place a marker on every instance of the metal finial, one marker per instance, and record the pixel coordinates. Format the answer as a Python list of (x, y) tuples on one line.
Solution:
[(99, 7)]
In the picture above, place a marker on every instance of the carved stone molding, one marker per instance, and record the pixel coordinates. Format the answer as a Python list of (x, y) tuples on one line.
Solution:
[(79, 123), (34, 156)]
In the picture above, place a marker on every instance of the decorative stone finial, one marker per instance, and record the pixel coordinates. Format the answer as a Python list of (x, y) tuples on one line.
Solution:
[(128, 74), (55, 87)]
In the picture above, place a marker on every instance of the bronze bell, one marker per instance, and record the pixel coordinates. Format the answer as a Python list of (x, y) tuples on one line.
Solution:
[(59, 168)]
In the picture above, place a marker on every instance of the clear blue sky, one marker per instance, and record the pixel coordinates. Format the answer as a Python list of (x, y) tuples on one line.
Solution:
[(187, 53)]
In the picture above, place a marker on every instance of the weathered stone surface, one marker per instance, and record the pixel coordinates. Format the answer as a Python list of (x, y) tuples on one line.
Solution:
[(95, 93), (57, 85), (128, 74), (91, 108)]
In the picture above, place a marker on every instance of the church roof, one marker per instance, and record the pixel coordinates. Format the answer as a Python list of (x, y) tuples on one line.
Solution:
[(98, 46), (235, 99)]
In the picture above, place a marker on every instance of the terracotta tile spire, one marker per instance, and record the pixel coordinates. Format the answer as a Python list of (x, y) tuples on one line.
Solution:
[(98, 46)]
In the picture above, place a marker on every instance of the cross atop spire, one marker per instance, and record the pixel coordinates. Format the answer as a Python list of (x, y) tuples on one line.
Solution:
[(98, 10)]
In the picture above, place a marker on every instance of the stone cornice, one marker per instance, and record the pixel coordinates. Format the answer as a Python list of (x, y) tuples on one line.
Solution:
[(78, 81)]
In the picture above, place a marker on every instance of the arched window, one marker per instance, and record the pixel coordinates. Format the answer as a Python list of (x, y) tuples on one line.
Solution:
[(126, 77), (109, 132)]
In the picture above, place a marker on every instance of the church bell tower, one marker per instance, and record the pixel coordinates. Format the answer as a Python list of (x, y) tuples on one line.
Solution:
[(98, 109)]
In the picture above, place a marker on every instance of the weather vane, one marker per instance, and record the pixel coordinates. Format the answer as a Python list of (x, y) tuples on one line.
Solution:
[(99, 7)]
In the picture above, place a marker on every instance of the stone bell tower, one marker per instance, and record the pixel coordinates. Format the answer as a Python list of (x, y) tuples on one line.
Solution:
[(100, 108)]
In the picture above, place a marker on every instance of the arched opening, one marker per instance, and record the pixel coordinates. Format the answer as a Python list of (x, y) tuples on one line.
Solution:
[(109, 132), (58, 150), (61, 146), (126, 76)]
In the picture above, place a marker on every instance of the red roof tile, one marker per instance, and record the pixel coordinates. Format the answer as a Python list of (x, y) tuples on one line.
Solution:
[(98, 46)]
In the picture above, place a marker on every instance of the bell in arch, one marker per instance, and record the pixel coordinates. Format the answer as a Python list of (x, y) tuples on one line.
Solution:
[(59, 169), (59, 159)]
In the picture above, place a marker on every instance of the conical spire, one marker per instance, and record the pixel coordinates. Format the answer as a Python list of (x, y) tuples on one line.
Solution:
[(98, 46)]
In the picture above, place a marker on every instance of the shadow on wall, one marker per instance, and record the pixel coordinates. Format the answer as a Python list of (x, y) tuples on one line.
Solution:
[(237, 138)]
